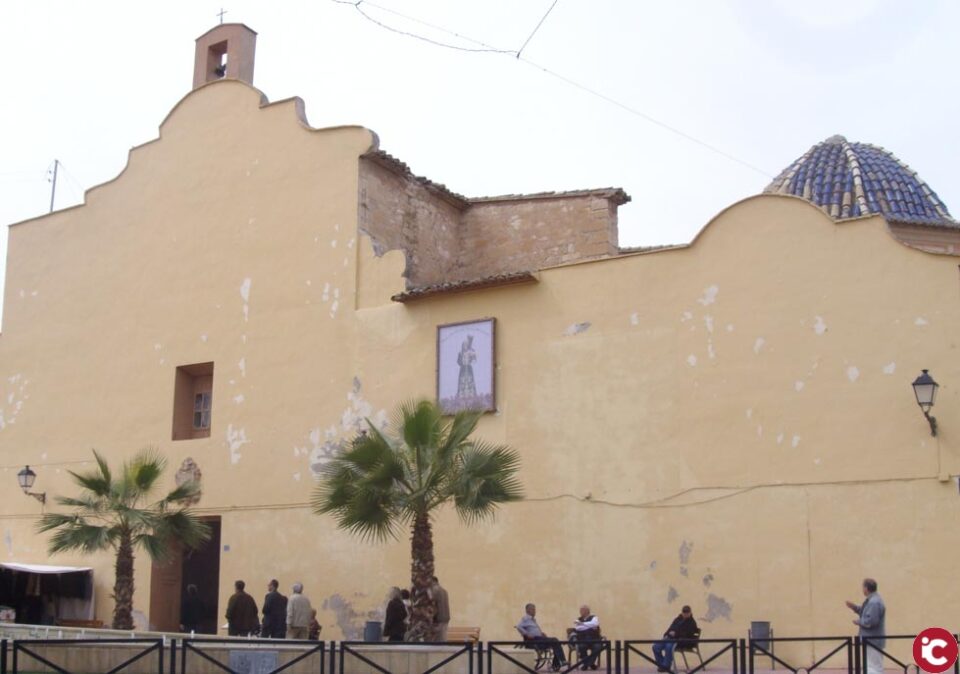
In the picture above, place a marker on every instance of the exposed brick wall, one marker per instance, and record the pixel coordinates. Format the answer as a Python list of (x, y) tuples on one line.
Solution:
[(932, 239), (399, 212), (500, 236), (446, 237)]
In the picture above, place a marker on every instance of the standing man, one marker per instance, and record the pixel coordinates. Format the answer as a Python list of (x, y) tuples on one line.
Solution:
[(684, 626), (586, 628), (441, 618), (299, 613), (531, 631), (872, 623), (241, 613), (274, 613)]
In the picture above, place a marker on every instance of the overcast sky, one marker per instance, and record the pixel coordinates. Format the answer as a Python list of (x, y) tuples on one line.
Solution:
[(759, 80)]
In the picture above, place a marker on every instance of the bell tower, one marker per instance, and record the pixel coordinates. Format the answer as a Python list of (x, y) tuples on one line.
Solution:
[(225, 51)]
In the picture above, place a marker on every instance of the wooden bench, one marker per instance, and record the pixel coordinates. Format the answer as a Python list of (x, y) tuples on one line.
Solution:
[(461, 635), (92, 624)]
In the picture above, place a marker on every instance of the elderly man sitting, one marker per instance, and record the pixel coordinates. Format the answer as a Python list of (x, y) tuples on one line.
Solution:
[(531, 631), (586, 629)]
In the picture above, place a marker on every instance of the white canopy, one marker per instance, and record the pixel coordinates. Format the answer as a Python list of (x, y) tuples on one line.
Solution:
[(43, 568)]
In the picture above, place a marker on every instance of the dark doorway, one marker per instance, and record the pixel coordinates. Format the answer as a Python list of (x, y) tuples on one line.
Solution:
[(170, 601), (201, 567)]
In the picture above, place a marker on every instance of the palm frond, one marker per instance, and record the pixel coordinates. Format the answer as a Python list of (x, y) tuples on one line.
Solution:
[(94, 481), (104, 468), (183, 526), (487, 477), (82, 536), (88, 503), (145, 468), (157, 547), (183, 493)]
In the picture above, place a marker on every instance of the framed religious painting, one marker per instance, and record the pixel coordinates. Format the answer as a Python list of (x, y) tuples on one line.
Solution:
[(466, 358)]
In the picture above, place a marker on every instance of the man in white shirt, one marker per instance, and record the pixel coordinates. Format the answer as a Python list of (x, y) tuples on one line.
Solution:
[(586, 628), (298, 614)]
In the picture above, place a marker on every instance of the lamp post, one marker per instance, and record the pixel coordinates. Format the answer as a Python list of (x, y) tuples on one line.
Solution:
[(26, 478), (925, 389)]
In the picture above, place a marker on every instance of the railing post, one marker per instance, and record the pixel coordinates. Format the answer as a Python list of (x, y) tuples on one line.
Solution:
[(479, 657), (618, 655), (849, 656), (750, 656), (740, 659), (3, 656), (856, 655), (173, 656), (333, 657), (160, 649)]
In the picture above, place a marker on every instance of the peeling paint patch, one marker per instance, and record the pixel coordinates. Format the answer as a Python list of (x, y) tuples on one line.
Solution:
[(749, 412), (8, 542), (203, 338), (672, 594), (684, 572), (795, 441), (709, 295), (685, 316), (853, 373), (296, 476), (798, 386), (717, 607), (245, 296), (708, 580), (890, 368), (729, 327), (921, 321), (157, 347), (779, 438), (235, 440), (238, 398), (653, 565), (819, 326), (685, 550), (325, 445), (634, 318), (758, 344), (576, 329), (348, 620), (759, 431), (708, 323), (691, 360)]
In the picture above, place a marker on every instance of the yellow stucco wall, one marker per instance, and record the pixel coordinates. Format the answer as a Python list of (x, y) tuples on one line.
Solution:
[(736, 423)]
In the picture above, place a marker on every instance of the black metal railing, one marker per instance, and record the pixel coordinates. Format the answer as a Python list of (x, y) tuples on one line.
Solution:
[(191, 656), (28, 648), (640, 648), (194, 650), (764, 647), (348, 649)]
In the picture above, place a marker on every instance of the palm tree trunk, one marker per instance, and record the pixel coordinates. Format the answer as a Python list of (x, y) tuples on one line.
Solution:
[(123, 585), (422, 607)]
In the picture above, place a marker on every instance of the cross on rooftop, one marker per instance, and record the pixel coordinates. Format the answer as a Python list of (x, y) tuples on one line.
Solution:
[(221, 13)]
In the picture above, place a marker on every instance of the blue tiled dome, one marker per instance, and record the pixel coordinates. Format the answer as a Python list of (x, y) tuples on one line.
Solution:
[(848, 180)]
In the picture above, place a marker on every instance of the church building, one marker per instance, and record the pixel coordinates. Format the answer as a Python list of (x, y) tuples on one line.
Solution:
[(727, 423)]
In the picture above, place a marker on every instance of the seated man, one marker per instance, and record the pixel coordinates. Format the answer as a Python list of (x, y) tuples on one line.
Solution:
[(531, 631), (586, 628), (683, 627)]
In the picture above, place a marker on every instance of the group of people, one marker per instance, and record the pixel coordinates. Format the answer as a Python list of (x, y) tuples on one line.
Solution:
[(283, 617), (397, 617), (584, 634), (683, 630)]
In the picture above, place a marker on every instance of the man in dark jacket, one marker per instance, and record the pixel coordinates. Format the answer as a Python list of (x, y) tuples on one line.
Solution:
[(683, 628), (241, 613), (274, 613)]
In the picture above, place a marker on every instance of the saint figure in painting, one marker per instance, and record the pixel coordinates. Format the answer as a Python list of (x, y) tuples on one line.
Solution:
[(466, 385)]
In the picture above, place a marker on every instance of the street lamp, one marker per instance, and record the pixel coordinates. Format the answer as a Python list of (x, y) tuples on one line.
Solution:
[(925, 388), (26, 478)]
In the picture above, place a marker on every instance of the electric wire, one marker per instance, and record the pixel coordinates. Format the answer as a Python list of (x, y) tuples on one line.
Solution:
[(484, 47), (524, 45)]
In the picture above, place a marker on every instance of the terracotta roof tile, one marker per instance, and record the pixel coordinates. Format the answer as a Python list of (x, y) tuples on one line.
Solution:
[(451, 287)]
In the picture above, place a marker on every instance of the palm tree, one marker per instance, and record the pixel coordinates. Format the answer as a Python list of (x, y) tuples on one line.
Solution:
[(387, 481), (114, 512)]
